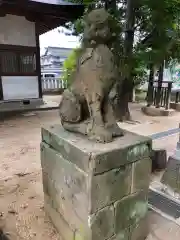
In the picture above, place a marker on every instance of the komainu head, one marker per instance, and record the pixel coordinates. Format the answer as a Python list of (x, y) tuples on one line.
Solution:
[(97, 27)]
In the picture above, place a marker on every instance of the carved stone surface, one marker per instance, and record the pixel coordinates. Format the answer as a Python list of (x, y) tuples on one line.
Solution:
[(159, 159), (93, 190), (171, 176), (87, 106)]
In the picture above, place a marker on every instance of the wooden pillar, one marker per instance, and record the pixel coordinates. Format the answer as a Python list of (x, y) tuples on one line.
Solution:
[(168, 96), (177, 97), (38, 59), (1, 87), (110, 5)]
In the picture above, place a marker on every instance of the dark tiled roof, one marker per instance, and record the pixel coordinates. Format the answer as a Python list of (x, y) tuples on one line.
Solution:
[(48, 13), (55, 2), (58, 51)]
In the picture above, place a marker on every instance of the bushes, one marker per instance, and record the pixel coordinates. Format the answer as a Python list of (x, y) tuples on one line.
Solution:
[(70, 64)]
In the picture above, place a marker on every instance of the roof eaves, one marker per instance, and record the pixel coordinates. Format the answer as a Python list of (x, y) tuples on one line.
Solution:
[(56, 2)]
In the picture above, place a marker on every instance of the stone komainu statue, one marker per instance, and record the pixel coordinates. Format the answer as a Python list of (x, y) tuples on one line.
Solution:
[(86, 107)]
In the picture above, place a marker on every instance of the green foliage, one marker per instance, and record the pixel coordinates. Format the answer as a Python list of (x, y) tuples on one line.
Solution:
[(139, 70), (70, 65), (156, 29), (160, 30)]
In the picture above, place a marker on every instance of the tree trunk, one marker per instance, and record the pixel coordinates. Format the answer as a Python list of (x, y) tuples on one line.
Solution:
[(150, 86), (160, 80), (127, 85), (110, 5), (133, 95), (129, 35)]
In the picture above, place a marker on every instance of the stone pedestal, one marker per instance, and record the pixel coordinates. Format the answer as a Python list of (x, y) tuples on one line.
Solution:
[(153, 111), (171, 176), (175, 106), (159, 159), (96, 191)]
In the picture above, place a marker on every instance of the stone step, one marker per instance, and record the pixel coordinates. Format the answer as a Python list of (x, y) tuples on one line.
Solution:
[(165, 204)]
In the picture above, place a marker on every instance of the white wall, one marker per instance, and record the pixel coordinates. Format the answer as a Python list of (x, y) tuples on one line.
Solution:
[(20, 87), (16, 30), (47, 60)]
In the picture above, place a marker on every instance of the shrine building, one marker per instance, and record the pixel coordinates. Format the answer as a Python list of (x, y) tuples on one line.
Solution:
[(21, 24)]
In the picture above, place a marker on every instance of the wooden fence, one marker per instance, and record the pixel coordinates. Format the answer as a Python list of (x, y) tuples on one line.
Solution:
[(177, 95), (160, 95)]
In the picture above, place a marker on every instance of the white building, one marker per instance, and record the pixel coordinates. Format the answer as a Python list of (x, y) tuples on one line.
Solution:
[(54, 57), (21, 24)]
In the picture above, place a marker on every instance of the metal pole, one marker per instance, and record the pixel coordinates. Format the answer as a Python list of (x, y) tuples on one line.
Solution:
[(178, 143)]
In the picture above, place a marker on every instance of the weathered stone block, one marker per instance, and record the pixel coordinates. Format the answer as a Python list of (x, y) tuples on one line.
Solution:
[(95, 156), (98, 190), (130, 210), (153, 111), (159, 159), (141, 175), (123, 235), (66, 186), (140, 230), (171, 176), (111, 186), (102, 223), (59, 222)]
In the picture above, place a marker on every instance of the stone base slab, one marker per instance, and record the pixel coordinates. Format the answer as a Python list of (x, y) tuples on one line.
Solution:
[(96, 191), (178, 145), (175, 106), (20, 105), (152, 111), (159, 159), (171, 176)]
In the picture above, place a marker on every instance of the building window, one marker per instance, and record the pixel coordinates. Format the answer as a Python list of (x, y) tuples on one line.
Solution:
[(17, 62), (27, 63), (9, 62)]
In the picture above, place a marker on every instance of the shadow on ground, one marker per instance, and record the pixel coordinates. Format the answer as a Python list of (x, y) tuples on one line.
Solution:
[(3, 236)]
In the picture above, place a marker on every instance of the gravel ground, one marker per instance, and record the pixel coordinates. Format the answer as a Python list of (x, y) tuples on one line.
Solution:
[(21, 195), (22, 214)]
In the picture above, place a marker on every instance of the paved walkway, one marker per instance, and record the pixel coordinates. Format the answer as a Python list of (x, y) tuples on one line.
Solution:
[(162, 229)]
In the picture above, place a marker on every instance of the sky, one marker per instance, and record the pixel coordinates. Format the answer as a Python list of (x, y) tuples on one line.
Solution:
[(56, 2), (58, 38)]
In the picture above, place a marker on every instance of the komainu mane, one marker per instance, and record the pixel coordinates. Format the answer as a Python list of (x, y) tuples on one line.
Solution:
[(87, 106)]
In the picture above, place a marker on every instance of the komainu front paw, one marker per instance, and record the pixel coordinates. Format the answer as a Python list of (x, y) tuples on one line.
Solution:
[(115, 130), (100, 134)]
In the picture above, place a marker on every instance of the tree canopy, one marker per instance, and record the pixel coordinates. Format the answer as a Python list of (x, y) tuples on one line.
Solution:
[(147, 33), (148, 30)]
